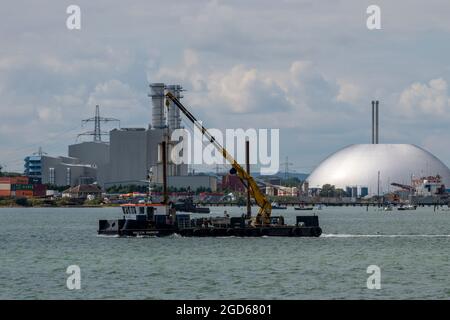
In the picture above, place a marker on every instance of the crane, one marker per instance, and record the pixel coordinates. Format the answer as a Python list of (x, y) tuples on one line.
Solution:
[(265, 207)]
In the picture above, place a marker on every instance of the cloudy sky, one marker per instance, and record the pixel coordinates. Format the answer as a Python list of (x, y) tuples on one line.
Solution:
[(310, 68)]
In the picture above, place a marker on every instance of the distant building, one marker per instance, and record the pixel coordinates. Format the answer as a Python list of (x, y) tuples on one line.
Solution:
[(193, 182), (364, 192), (95, 154), (82, 191), (232, 183), (376, 166), (60, 171)]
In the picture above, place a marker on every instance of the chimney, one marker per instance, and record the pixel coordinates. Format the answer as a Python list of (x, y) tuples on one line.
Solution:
[(373, 122), (377, 124), (157, 95)]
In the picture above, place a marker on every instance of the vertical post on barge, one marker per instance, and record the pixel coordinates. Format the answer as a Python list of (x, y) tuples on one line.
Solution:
[(247, 162), (164, 163)]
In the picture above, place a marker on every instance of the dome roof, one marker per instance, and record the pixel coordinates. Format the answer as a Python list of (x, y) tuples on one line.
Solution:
[(358, 165)]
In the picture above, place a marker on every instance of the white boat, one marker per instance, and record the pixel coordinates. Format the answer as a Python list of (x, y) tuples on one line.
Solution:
[(407, 207)]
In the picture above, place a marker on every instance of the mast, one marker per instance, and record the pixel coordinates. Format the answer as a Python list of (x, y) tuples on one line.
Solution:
[(164, 163), (247, 162)]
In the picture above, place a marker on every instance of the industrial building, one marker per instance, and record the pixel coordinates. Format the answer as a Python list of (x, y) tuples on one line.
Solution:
[(94, 154), (373, 168), (134, 151), (60, 171), (127, 158), (193, 182)]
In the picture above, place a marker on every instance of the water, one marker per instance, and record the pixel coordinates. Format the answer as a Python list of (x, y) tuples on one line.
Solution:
[(410, 247)]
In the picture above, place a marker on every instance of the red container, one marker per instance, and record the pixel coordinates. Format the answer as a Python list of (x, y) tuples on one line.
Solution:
[(39, 190), (5, 193), (14, 180), (5, 180), (24, 193)]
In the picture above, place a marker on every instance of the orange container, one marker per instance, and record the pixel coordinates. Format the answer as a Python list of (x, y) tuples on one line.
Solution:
[(20, 180), (24, 193), (5, 193)]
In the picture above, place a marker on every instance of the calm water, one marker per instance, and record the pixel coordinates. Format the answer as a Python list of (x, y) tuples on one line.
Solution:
[(411, 248)]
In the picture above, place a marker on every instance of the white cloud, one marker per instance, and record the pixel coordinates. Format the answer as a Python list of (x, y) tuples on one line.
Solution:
[(114, 94), (431, 98), (348, 92)]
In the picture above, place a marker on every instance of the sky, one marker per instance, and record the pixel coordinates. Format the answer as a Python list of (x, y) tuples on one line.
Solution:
[(308, 68)]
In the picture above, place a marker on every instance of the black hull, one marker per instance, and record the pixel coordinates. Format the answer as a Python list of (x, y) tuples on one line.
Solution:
[(138, 228)]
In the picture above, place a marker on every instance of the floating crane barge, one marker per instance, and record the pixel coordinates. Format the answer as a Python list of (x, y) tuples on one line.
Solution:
[(162, 219)]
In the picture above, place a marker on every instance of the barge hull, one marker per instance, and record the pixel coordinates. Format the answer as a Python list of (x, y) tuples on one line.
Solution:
[(116, 227)]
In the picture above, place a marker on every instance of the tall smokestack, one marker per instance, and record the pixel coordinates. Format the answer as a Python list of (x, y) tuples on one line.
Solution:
[(174, 118), (157, 95), (373, 122), (377, 124)]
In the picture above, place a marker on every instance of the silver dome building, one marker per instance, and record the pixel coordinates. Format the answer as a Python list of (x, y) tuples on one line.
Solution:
[(358, 166)]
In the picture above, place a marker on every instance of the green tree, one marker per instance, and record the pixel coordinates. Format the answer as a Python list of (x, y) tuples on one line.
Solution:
[(328, 190)]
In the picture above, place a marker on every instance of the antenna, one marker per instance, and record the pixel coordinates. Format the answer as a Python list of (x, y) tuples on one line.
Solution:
[(97, 133)]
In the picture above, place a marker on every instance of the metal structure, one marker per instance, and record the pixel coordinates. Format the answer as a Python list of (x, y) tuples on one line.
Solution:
[(39, 153), (265, 208), (286, 165), (173, 117), (158, 115), (97, 133), (375, 122)]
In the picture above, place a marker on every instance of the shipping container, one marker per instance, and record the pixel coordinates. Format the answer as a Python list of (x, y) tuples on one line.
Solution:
[(5, 180), (39, 190), (20, 180), (21, 187), (5, 193), (24, 193), (14, 180), (5, 186)]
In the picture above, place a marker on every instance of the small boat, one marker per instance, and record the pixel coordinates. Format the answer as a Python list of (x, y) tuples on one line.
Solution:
[(407, 207), (188, 205), (304, 208), (277, 206), (388, 208)]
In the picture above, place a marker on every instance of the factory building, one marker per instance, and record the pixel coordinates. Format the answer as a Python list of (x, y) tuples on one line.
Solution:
[(194, 182), (95, 154), (377, 167), (60, 171), (134, 151), (128, 156)]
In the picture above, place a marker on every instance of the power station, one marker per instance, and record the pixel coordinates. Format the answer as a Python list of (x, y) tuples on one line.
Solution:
[(127, 157), (377, 167)]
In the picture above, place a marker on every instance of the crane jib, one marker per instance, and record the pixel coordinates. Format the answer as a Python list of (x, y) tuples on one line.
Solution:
[(265, 207)]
